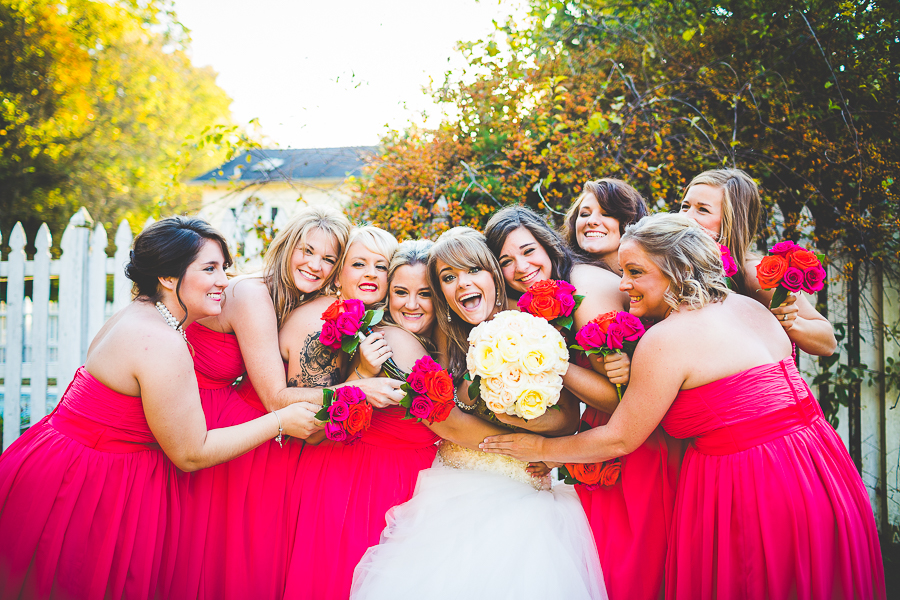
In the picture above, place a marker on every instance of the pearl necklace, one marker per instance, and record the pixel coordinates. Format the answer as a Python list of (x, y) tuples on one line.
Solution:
[(171, 321)]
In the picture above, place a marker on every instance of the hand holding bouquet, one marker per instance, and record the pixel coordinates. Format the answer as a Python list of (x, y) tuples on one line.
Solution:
[(552, 300), (429, 392), (344, 322), (515, 363), (346, 414), (789, 268), (612, 332)]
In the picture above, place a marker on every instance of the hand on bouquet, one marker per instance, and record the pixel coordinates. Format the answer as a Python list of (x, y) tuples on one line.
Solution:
[(299, 419), (786, 313), (381, 392), (618, 368), (373, 352)]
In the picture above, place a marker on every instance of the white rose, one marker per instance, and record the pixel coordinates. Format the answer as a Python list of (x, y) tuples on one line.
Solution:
[(532, 403), (486, 360)]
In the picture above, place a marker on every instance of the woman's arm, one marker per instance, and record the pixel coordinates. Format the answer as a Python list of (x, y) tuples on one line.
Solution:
[(805, 326), (555, 422)]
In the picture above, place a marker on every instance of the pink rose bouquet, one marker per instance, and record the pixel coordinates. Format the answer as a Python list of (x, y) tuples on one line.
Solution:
[(790, 268), (610, 333), (429, 392), (344, 322), (346, 414), (554, 300)]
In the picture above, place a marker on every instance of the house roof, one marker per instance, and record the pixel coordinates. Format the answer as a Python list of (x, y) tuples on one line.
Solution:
[(291, 164)]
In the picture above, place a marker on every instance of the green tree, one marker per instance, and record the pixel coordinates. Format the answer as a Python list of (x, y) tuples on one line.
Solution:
[(99, 100)]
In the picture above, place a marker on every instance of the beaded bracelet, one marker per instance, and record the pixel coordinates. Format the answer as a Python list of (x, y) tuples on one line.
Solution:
[(278, 437), (462, 405)]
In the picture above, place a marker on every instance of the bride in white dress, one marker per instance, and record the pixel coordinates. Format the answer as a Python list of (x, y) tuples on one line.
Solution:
[(479, 525)]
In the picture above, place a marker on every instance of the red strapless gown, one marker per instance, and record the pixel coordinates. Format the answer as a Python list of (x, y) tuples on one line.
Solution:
[(340, 498), (234, 543), (631, 519), (88, 506), (769, 503)]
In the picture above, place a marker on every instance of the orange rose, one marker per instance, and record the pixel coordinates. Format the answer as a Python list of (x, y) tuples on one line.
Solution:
[(440, 386), (610, 473), (546, 307), (332, 312), (605, 320), (359, 418), (770, 270), (803, 259), (441, 411), (543, 288), (587, 473)]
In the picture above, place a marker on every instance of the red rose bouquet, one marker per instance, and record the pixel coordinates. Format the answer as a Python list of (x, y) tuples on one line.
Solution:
[(610, 333), (790, 268), (346, 414), (554, 300), (429, 392), (344, 322), (591, 475)]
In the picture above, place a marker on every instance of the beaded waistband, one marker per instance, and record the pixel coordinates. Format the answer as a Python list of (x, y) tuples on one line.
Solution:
[(457, 457)]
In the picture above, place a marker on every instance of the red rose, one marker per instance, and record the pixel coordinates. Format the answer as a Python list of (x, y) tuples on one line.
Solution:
[(605, 320), (803, 259), (359, 419), (543, 288), (546, 307), (331, 313), (440, 386), (586, 473), (441, 411), (770, 270), (610, 473)]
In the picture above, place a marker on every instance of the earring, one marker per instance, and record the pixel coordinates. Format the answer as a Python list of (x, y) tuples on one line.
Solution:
[(449, 315), (498, 299)]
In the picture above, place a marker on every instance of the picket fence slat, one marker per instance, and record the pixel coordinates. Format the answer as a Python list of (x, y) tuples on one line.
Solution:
[(40, 315), (72, 305), (15, 296), (121, 284), (96, 285)]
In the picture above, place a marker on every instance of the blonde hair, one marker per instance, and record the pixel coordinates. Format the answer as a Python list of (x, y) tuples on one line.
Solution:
[(741, 209), (685, 255), (277, 272), (461, 248), (409, 254)]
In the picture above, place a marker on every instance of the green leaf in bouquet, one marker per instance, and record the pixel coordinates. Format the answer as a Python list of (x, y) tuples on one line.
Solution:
[(327, 397), (349, 345), (373, 317), (780, 295), (322, 415), (467, 377), (407, 401), (475, 388), (577, 347), (821, 258), (729, 283), (565, 322), (578, 299)]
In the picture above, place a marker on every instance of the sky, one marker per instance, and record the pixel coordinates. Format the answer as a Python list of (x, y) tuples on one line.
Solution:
[(326, 74)]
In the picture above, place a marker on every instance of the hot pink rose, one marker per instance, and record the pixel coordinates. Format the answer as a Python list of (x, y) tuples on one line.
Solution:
[(335, 433), (728, 262), (330, 336), (350, 394), (418, 381), (564, 287), (566, 303), (426, 363), (525, 301), (338, 411), (632, 326), (348, 323), (783, 248), (355, 307), (421, 407), (814, 279), (792, 279), (615, 335), (590, 336)]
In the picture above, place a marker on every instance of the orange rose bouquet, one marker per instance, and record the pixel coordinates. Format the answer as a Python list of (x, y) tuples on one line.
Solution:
[(346, 414), (344, 322), (790, 268), (591, 475), (429, 392), (554, 300), (610, 333)]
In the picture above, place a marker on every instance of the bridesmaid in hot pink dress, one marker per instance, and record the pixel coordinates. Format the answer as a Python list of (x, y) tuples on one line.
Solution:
[(769, 504), (88, 500)]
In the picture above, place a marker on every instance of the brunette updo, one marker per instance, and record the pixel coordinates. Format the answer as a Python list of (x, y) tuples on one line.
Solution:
[(165, 249)]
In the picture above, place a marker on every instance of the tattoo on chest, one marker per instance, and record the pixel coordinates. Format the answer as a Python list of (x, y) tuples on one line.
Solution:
[(319, 366)]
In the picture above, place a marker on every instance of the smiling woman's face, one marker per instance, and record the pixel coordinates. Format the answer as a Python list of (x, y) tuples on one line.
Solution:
[(523, 261), (470, 293), (703, 205), (643, 281), (313, 260), (364, 276), (410, 301)]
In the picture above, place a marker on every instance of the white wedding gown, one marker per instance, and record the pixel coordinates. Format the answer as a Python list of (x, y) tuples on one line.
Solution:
[(476, 527)]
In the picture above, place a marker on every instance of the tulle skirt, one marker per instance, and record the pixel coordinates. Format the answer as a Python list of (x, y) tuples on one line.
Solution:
[(480, 534)]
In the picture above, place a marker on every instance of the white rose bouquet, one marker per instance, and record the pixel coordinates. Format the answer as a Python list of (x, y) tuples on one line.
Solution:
[(516, 362)]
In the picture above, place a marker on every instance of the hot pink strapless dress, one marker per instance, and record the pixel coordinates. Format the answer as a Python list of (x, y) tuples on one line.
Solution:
[(88, 506), (341, 495), (234, 543), (769, 503), (631, 519)]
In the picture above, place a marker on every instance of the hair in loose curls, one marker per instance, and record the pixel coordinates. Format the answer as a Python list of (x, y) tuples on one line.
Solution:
[(461, 248), (686, 255), (410, 254), (166, 249), (741, 210), (617, 199), (277, 273), (508, 219)]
